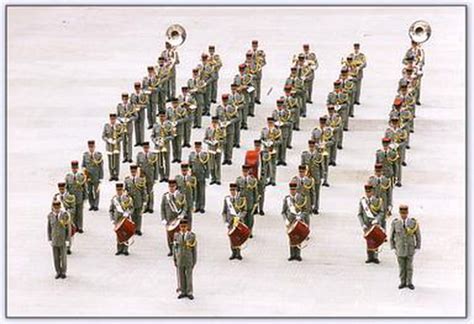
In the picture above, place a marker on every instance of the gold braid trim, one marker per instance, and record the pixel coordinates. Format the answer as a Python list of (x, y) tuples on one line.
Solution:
[(375, 207), (205, 160), (242, 206), (311, 184), (300, 206), (411, 231), (389, 184)]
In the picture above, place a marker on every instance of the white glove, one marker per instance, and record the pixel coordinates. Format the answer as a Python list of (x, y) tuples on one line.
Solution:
[(287, 222), (126, 214), (163, 222), (374, 222)]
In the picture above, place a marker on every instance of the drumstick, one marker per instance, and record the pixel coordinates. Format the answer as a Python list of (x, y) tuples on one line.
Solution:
[(269, 91)]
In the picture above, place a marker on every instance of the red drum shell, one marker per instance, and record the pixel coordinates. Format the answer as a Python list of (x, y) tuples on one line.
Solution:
[(239, 234), (252, 159), (375, 237), (298, 232), (125, 230)]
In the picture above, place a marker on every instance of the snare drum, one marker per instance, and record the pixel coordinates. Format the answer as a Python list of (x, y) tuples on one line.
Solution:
[(239, 234), (125, 230), (298, 232), (375, 237)]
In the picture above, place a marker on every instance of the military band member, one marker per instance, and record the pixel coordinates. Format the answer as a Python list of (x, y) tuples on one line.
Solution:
[(245, 85), (305, 186), (305, 71), (216, 63), (189, 104), (163, 133), (68, 203), (298, 89), (176, 114), (399, 137), (199, 162), (334, 120), (234, 211), (271, 136), (214, 138), (150, 87), (252, 70), (247, 185), (171, 59), (294, 209), (76, 185), (361, 63), (185, 258), (121, 206), (382, 186), (405, 238), (313, 160), (348, 85), (112, 135), (173, 208), (186, 184), (58, 230), (146, 161), (126, 115), (228, 117), (325, 134), (237, 99), (206, 74), (312, 61), (282, 117), (136, 189), (262, 177), (260, 60), (291, 103), (139, 101), (419, 60), (340, 99), (92, 162), (371, 212), (268, 158), (163, 75), (197, 89), (388, 156)]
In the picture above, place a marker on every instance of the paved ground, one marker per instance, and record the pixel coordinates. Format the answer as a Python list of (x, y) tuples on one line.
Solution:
[(67, 69)]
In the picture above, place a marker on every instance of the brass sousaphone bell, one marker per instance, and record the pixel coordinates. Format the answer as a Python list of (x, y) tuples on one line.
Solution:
[(420, 31), (176, 35)]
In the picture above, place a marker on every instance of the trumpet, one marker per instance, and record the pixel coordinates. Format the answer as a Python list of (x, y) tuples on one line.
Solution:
[(201, 84)]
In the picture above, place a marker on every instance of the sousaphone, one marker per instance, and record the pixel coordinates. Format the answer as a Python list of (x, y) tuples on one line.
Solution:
[(420, 31), (176, 35)]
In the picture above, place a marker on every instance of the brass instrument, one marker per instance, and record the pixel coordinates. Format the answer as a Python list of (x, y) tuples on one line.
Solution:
[(176, 35), (206, 157), (273, 135), (419, 31), (201, 84)]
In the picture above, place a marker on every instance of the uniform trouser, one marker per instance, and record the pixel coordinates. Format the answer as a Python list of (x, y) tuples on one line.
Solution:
[(140, 128), (235, 251), (162, 100), (345, 117), (332, 153), (172, 85), (302, 104), (284, 144), (164, 166), (69, 243), (418, 92), (351, 107), (187, 133), (372, 255), (60, 259), (189, 217), (244, 115), (200, 197), (149, 189), (249, 220), (177, 142), (258, 88), (309, 90), (272, 170), (122, 247), (151, 110), (402, 151), (93, 193), (296, 118), (295, 251), (237, 133), (197, 122), (207, 101), (127, 143), (398, 171), (358, 88), (137, 217), (251, 105), (339, 136), (290, 135), (215, 167), (325, 168), (405, 265), (114, 164), (229, 144), (185, 279), (79, 212), (317, 190), (261, 191), (214, 90)]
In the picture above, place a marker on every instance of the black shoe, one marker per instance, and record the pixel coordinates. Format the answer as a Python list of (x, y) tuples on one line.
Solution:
[(309, 101), (251, 115), (238, 257), (170, 253), (401, 286), (410, 286), (398, 184), (283, 163), (174, 160), (125, 253), (246, 127), (194, 127), (218, 183), (232, 257), (211, 183), (298, 258), (291, 258), (91, 208), (261, 213), (57, 276), (408, 147), (150, 127), (325, 184), (356, 103), (130, 160), (125, 161), (296, 129), (339, 147), (80, 231), (332, 163), (351, 115), (202, 211), (289, 147), (213, 101), (138, 144), (150, 211), (237, 146), (345, 129), (96, 208), (412, 131), (377, 261), (258, 102), (229, 162), (368, 261), (224, 162), (69, 251), (181, 296), (273, 184), (118, 253), (315, 211), (190, 297), (418, 103), (251, 236), (111, 179), (63, 276), (139, 233), (404, 163)]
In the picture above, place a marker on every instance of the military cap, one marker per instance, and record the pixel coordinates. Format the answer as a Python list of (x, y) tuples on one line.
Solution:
[(171, 182), (302, 167), (305, 45), (293, 68), (323, 119), (233, 186), (184, 166), (410, 57), (211, 47), (124, 95), (174, 99), (197, 143), (162, 113), (204, 55), (403, 208), (74, 163), (337, 83), (184, 88), (397, 102), (368, 187), (255, 42), (378, 166), (167, 43), (349, 57), (331, 107), (280, 101), (183, 221), (195, 70), (150, 68), (245, 167), (403, 84), (242, 66), (90, 142), (137, 85), (249, 54), (61, 184), (409, 69), (270, 119), (119, 185), (56, 203), (386, 140), (357, 45), (225, 96), (394, 118), (145, 143), (161, 58), (234, 85), (344, 69), (311, 142), (257, 141), (214, 118), (133, 167), (112, 115), (300, 56), (287, 87), (293, 185)]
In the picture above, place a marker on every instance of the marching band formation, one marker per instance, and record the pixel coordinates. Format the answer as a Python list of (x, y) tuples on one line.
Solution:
[(156, 96)]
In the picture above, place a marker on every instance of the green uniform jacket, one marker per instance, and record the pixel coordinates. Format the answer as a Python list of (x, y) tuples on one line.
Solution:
[(405, 240)]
